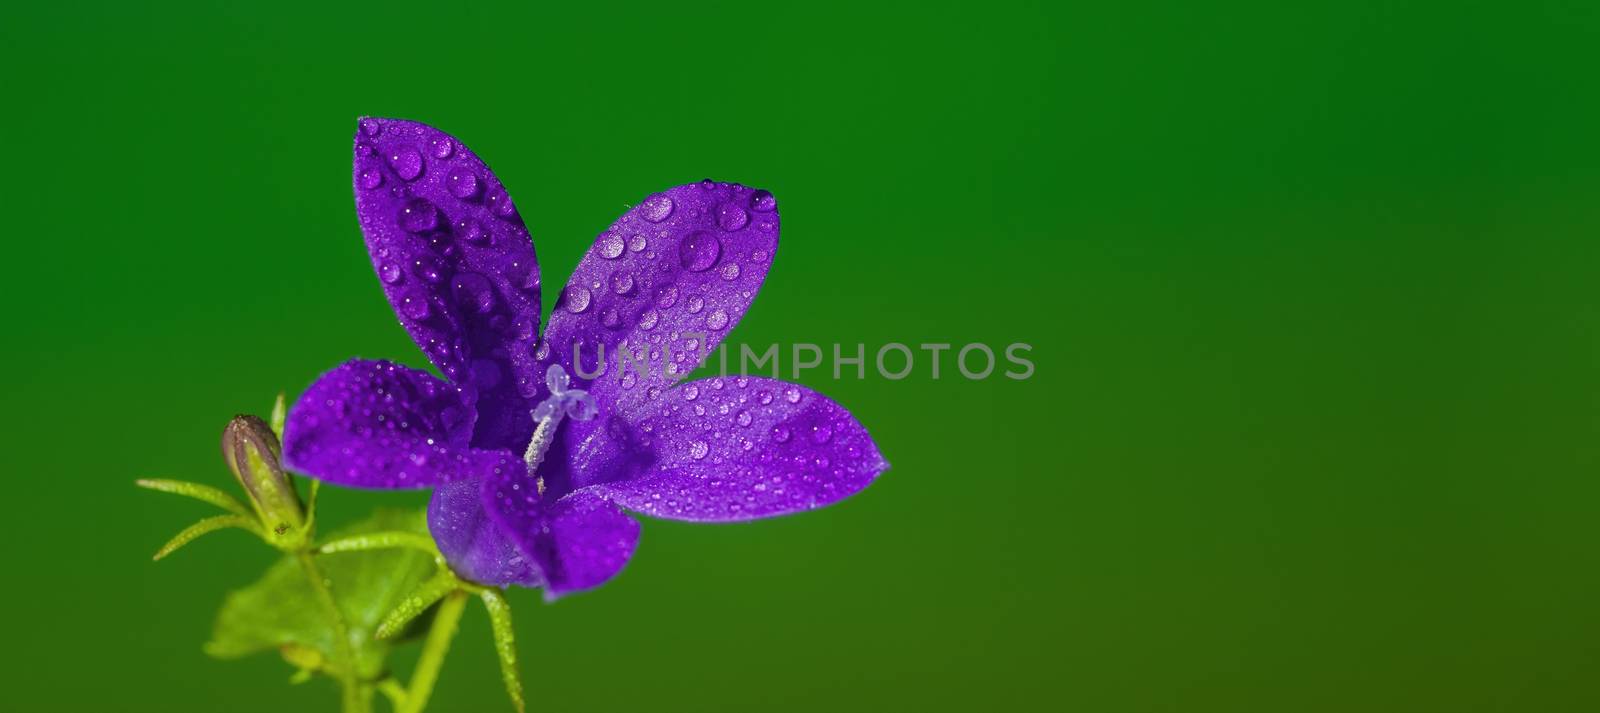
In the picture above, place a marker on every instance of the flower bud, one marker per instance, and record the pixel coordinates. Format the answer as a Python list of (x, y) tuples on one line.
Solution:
[(254, 456)]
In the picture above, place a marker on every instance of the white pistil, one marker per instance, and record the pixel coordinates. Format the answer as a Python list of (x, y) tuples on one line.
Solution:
[(561, 403)]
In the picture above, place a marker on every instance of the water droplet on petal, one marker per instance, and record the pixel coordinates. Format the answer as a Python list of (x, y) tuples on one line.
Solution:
[(622, 282), (698, 450), (731, 217), (820, 434), (370, 126), (691, 392), (390, 273), (523, 329), (415, 307), (462, 183), (474, 292), (656, 208), (781, 434), (407, 162), (370, 176), (636, 243), (647, 321), (792, 395), (730, 271), (762, 201), (443, 147), (577, 298), (717, 319), (471, 231), (695, 304), (611, 246), (743, 419), (419, 216), (764, 398), (428, 268), (610, 318), (500, 202), (699, 251), (668, 297)]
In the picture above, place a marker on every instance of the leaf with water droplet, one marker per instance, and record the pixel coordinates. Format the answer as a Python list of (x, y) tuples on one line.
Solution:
[(279, 610)]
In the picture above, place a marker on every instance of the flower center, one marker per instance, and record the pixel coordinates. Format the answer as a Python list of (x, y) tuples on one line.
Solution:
[(561, 403)]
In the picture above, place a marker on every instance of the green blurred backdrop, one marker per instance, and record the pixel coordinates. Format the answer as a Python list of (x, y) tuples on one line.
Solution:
[(1311, 292)]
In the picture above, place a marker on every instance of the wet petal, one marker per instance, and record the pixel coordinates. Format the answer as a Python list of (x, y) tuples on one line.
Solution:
[(471, 542), (375, 424), (577, 542), (740, 448), (665, 282), (456, 263)]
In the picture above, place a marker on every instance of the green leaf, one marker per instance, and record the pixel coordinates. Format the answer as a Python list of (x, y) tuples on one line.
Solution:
[(505, 642), (197, 491), (210, 524), (378, 541), (417, 602), (279, 411), (280, 610)]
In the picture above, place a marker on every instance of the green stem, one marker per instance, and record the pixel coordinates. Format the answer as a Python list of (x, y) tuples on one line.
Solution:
[(434, 649), (351, 694)]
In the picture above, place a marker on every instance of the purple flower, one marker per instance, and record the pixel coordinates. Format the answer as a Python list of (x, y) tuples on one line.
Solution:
[(529, 459)]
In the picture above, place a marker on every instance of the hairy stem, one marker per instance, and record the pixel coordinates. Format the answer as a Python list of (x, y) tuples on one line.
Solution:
[(350, 690), (434, 649)]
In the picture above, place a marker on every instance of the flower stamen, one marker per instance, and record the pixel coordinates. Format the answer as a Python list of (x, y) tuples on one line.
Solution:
[(561, 403)]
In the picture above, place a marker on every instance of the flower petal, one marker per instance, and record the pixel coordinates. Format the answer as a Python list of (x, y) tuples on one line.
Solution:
[(474, 544), (741, 448), (666, 281), (578, 542), (455, 262), (376, 424)]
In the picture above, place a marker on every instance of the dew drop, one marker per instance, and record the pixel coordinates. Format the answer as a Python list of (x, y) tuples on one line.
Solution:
[(730, 271), (699, 251), (656, 208), (443, 147), (390, 273), (691, 392), (764, 398), (695, 304), (636, 243), (471, 231), (407, 162), (792, 395), (781, 434), (577, 298), (370, 176), (415, 307), (622, 282), (743, 419), (370, 127), (698, 450), (419, 216), (428, 269), (762, 201), (462, 183), (731, 217), (611, 246), (717, 319), (668, 297), (500, 202), (647, 321), (474, 291), (821, 434)]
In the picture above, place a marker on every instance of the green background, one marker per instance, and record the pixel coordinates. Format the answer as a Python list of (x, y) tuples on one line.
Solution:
[(1311, 290)]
